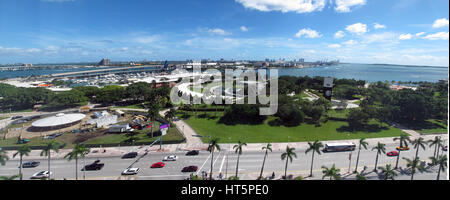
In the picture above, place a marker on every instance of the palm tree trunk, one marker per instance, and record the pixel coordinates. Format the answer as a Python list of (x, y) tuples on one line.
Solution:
[(212, 158), (76, 168), (262, 168), (417, 152), (237, 166), (151, 127), (49, 174), (438, 150), (413, 171), (357, 159), (439, 172), (376, 162), (435, 149), (312, 163), (20, 167), (398, 158), (285, 169)]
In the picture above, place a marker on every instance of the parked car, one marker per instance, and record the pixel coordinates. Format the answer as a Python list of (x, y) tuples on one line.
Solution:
[(41, 175), (170, 158), (192, 153), (30, 164), (189, 169), (52, 136), (130, 171), (405, 148), (94, 166), (392, 153), (24, 141), (16, 117), (130, 155), (158, 165)]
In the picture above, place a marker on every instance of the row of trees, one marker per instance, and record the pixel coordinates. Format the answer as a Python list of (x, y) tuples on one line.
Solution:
[(15, 98), (314, 147), (78, 151)]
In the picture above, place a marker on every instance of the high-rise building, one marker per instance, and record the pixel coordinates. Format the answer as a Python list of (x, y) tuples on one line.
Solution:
[(104, 62)]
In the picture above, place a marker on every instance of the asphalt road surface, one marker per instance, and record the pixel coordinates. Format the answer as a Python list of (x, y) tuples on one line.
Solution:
[(224, 162)]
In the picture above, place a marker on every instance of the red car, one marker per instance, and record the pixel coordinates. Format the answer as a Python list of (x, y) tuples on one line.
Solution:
[(158, 165), (189, 169), (392, 153)]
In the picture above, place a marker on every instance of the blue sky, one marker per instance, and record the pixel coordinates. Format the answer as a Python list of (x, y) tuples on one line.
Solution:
[(413, 32)]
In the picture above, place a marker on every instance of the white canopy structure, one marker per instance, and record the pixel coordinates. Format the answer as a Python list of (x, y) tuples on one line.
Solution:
[(59, 121)]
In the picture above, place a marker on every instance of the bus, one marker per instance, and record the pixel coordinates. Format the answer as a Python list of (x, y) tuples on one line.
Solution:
[(343, 146)]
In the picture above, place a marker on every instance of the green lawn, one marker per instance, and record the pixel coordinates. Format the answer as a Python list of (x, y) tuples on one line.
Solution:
[(172, 135), (435, 126), (135, 106), (17, 111), (332, 130), (2, 118)]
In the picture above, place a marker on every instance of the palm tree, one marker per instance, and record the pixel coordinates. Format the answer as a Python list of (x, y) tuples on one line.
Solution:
[(414, 164), (436, 143), (53, 145), (79, 151), (213, 144), (362, 143), (420, 142), (22, 151), (331, 172), (288, 156), (380, 149), (171, 114), (314, 147), (3, 157), (404, 139), (153, 113), (388, 172), (268, 147), (238, 150), (442, 162)]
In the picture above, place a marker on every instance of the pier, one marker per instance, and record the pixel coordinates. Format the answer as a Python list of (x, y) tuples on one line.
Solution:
[(100, 72)]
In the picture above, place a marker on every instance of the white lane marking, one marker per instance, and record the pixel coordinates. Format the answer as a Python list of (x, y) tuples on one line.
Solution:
[(221, 166), (203, 164)]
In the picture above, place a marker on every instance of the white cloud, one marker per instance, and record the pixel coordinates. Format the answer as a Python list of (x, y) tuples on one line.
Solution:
[(219, 31), (334, 46), (350, 42), (379, 26), (339, 34), (405, 37), (299, 6), (439, 23), (244, 29), (420, 34), (437, 36), (146, 39), (308, 33), (358, 28), (345, 5)]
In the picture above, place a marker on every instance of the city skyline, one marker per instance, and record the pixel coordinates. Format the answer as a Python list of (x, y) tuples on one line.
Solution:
[(61, 31)]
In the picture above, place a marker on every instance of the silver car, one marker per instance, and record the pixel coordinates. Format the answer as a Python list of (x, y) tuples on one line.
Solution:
[(170, 158), (130, 171), (41, 175)]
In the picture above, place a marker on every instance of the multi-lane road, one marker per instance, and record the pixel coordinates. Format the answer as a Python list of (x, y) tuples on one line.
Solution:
[(224, 162)]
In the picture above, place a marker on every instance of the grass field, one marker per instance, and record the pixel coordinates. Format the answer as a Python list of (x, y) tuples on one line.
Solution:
[(99, 138), (331, 130), (435, 126)]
